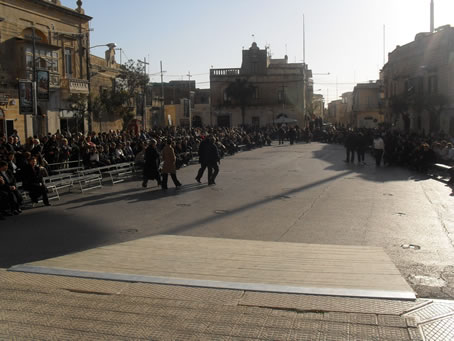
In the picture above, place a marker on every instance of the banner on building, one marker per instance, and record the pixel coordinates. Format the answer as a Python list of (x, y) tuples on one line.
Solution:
[(42, 85), (25, 97)]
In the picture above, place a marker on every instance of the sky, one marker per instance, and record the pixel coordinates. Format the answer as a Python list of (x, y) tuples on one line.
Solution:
[(344, 38)]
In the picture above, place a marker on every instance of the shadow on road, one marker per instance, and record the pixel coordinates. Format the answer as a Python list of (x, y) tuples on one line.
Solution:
[(43, 235), (242, 209), (135, 195)]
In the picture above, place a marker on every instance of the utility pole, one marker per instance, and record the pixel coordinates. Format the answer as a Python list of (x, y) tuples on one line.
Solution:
[(34, 94), (189, 100), (304, 41), (384, 44), (144, 97), (162, 96)]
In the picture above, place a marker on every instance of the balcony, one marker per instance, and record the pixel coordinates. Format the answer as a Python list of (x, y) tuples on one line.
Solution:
[(224, 72), (75, 86)]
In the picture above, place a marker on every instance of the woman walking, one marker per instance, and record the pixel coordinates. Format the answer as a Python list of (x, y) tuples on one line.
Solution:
[(169, 158)]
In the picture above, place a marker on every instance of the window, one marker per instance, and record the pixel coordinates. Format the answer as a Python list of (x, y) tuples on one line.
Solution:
[(53, 65), (226, 97), (45, 59), (256, 93), (29, 61), (68, 62), (433, 84), (281, 96)]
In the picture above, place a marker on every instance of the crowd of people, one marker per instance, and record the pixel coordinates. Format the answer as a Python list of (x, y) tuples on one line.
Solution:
[(392, 147), (162, 151), (30, 161)]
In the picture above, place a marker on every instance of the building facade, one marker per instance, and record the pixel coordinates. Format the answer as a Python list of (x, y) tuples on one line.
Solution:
[(367, 106), (180, 101), (419, 81), (52, 40), (261, 91), (103, 75), (318, 106)]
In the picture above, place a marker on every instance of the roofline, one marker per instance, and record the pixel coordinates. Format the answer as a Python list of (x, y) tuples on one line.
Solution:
[(63, 9)]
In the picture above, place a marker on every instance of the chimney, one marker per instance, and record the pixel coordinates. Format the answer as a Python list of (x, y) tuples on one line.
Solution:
[(432, 16)]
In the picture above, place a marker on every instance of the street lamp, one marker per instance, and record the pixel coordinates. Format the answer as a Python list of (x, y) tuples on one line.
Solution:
[(110, 46)]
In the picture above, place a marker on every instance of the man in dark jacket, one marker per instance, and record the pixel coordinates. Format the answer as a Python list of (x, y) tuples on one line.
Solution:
[(151, 167), (212, 159), (203, 147), (9, 188)]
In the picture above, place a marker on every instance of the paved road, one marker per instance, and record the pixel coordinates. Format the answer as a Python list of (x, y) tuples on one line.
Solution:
[(300, 193)]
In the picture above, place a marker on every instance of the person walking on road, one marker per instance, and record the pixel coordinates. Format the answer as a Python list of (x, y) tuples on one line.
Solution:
[(152, 162), (379, 147), (169, 167), (282, 134), (349, 144), (212, 159), (202, 158), (361, 147)]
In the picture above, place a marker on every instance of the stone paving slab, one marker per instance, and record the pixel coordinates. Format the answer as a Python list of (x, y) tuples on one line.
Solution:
[(238, 264), (41, 307)]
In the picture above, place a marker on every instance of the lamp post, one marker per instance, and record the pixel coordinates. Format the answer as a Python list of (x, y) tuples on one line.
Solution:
[(110, 46)]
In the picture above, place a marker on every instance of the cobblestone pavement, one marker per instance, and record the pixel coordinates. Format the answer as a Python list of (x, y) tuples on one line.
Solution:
[(43, 307)]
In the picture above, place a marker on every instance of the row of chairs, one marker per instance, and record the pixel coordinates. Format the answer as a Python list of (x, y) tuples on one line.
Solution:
[(83, 179)]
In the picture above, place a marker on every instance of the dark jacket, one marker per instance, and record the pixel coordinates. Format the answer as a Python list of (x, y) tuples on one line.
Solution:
[(11, 181), (203, 150), (211, 154), (152, 161), (31, 176)]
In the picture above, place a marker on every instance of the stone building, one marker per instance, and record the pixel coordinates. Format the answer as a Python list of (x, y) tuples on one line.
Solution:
[(176, 104), (345, 114), (367, 105), (103, 73), (335, 113), (279, 88), (418, 73), (51, 39), (318, 106)]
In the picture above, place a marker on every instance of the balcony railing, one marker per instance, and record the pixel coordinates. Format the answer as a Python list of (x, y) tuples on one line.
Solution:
[(225, 72), (75, 85)]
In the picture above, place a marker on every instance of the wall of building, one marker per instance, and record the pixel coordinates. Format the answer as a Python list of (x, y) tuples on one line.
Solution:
[(15, 52), (103, 74), (281, 88), (411, 69)]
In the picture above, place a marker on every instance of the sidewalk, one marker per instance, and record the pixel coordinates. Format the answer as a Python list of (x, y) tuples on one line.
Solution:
[(46, 307), (50, 299)]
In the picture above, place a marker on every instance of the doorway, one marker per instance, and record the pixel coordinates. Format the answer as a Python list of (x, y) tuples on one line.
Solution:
[(9, 127)]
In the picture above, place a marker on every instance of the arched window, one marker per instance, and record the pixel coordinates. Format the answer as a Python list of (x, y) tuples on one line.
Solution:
[(39, 36)]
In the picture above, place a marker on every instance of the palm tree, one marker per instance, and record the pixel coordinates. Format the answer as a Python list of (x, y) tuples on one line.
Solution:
[(241, 93)]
